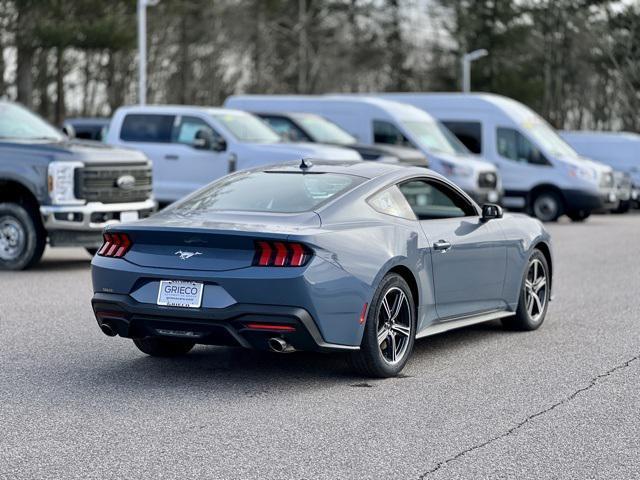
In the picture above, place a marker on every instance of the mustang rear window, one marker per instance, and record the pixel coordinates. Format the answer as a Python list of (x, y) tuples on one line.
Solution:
[(278, 192)]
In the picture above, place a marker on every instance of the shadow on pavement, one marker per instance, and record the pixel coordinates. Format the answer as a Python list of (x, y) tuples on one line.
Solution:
[(229, 369)]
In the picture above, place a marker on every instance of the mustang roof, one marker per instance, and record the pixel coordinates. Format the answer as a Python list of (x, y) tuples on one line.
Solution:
[(360, 168)]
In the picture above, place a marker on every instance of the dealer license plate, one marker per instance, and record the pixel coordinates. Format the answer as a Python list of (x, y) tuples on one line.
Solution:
[(175, 293)]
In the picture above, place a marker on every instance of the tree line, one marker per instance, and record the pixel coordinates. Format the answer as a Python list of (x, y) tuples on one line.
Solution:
[(576, 62)]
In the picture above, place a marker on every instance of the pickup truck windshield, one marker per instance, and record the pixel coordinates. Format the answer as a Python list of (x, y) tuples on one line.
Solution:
[(247, 128), (19, 123), (435, 136), (277, 192), (324, 131)]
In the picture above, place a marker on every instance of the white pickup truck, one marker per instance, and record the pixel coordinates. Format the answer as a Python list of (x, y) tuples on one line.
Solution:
[(192, 146)]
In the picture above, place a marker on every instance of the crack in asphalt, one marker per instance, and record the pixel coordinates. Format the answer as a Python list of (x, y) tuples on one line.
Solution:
[(592, 383)]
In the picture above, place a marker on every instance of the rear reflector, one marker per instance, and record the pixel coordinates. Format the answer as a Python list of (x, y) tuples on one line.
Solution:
[(363, 314), (271, 327), (281, 254), (115, 245)]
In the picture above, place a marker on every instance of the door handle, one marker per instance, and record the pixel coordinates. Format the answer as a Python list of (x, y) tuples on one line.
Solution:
[(171, 157), (442, 246)]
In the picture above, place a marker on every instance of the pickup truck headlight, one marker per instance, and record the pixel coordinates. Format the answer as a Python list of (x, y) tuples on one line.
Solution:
[(62, 183), (456, 170)]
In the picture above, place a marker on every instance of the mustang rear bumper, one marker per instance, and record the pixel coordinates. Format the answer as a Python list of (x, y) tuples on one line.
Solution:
[(244, 325)]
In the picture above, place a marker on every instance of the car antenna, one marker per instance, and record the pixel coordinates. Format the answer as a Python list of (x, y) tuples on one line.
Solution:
[(304, 164)]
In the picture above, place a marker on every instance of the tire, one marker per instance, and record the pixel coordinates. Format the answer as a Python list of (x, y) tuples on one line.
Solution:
[(92, 251), (22, 237), (579, 215), (530, 317), (547, 206), (376, 358), (161, 347), (623, 207)]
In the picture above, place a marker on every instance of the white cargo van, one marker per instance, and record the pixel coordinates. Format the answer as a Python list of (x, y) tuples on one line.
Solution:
[(619, 150), (192, 146), (375, 121), (540, 172)]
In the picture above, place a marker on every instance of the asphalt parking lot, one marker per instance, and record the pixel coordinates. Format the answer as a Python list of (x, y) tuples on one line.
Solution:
[(561, 402)]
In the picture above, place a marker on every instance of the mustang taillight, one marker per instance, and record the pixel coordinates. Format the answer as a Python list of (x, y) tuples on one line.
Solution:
[(281, 254), (115, 245)]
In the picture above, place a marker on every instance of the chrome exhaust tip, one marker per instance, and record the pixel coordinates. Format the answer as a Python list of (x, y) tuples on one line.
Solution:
[(279, 345), (108, 329)]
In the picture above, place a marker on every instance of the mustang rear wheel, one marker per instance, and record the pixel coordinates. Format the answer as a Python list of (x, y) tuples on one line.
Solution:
[(389, 332), (161, 347), (534, 295)]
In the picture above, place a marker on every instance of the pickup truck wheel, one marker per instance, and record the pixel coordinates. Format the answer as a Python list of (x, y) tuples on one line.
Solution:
[(162, 347), (22, 239)]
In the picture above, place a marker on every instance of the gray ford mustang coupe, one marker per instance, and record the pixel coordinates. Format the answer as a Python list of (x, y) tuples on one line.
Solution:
[(360, 257)]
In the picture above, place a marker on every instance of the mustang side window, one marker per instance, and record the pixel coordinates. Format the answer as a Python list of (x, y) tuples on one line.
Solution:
[(431, 200), (390, 201), (515, 146)]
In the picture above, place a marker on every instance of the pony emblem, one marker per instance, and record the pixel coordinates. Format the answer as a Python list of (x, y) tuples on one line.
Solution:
[(186, 255)]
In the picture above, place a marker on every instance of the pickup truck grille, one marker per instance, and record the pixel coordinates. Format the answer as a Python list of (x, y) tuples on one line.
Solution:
[(487, 180), (113, 183)]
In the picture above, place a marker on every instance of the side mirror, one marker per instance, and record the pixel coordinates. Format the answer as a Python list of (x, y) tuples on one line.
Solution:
[(219, 145), (491, 211), (69, 131), (203, 140)]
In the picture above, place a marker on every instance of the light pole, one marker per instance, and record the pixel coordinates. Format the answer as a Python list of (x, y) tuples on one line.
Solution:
[(467, 58), (142, 48)]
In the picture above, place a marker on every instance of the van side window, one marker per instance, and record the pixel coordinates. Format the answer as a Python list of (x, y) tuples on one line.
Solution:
[(513, 145), (469, 133), (147, 128), (187, 128), (431, 200), (286, 128), (387, 132)]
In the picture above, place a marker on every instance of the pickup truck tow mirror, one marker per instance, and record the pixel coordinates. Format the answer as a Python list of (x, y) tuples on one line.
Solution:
[(491, 211), (203, 140), (219, 145), (69, 131)]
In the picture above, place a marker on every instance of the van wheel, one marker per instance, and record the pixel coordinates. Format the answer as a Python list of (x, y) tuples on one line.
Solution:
[(22, 238), (547, 206), (579, 215)]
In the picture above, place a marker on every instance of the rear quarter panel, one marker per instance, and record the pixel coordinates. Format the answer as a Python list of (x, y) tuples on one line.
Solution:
[(366, 250)]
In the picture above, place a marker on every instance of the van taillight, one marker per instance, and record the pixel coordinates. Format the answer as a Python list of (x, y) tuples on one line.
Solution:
[(115, 245), (281, 254)]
